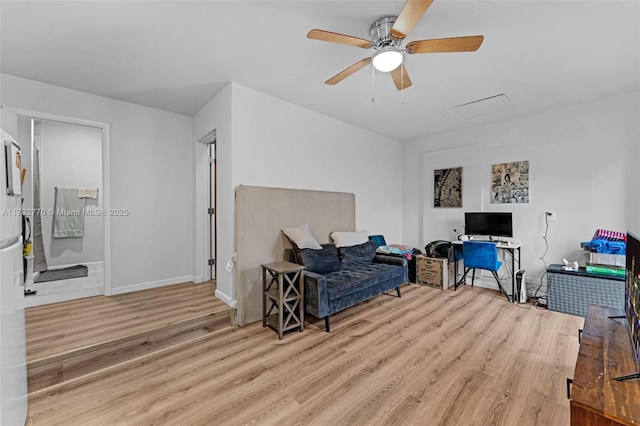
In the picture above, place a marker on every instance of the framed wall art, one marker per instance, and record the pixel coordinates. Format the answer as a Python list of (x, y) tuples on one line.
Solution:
[(447, 187), (510, 182)]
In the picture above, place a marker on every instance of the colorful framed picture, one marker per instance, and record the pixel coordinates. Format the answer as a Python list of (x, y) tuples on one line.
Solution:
[(510, 182)]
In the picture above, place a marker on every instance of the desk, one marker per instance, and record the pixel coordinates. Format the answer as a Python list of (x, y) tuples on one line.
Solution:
[(513, 249)]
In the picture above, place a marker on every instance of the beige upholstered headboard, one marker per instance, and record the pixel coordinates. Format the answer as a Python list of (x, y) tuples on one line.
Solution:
[(261, 213)]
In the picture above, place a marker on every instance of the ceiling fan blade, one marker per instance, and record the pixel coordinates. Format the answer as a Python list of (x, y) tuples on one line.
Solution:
[(401, 78), (409, 17), (453, 44), (338, 38), (348, 71)]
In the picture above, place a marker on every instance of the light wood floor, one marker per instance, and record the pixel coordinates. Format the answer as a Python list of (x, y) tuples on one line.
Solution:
[(429, 358), (57, 328)]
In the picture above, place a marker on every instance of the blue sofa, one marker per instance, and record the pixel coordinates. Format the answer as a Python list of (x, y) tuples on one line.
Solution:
[(336, 279)]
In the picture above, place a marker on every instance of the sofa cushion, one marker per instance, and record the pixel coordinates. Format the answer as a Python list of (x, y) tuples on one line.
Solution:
[(323, 261), (349, 238), (349, 281), (302, 237), (359, 255)]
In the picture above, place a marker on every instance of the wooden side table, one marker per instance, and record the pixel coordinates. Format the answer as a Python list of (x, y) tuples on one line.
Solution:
[(282, 296)]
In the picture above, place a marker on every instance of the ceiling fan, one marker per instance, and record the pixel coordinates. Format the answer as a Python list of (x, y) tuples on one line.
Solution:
[(387, 35)]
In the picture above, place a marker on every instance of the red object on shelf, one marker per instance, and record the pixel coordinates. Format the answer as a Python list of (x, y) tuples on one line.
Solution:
[(603, 234)]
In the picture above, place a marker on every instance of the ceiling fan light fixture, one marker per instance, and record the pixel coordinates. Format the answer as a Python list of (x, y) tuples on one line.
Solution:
[(387, 59)]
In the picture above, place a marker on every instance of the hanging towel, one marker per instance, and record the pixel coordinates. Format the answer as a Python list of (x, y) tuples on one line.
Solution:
[(88, 193), (68, 216)]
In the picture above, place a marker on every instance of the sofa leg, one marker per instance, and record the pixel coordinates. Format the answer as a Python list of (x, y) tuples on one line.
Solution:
[(398, 290), (327, 325)]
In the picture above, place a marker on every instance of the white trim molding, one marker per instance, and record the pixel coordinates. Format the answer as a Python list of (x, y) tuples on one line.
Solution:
[(226, 299), (46, 299), (150, 284)]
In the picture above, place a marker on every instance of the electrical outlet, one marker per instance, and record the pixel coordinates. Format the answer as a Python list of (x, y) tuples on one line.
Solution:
[(551, 215)]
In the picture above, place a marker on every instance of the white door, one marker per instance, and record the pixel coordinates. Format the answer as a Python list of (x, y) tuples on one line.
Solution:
[(13, 368)]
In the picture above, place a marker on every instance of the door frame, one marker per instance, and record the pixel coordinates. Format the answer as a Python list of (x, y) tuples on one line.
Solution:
[(106, 177), (201, 169)]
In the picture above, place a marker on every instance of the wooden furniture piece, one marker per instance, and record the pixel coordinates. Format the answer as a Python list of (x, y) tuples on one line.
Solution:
[(282, 296), (605, 353), (572, 291)]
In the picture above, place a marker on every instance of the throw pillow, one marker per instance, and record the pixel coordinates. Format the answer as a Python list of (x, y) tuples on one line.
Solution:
[(346, 239), (358, 255), (302, 237), (322, 261)]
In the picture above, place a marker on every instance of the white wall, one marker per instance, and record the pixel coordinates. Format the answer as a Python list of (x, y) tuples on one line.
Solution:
[(8, 122), (632, 165), (579, 167), (71, 157), (216, 114), (278, 144), (151, 175)]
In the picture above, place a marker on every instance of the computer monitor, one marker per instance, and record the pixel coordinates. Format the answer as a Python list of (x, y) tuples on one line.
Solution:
[(492, 224)]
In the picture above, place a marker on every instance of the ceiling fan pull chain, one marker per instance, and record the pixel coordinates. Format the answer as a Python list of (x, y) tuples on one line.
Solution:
[(373, 83)]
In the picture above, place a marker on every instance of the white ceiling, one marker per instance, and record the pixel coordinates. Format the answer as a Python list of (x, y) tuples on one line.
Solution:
[(176, 55)]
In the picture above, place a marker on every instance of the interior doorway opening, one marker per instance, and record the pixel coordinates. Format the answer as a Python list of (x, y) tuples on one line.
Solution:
[(211, 211), (207, 206), (65, 191)]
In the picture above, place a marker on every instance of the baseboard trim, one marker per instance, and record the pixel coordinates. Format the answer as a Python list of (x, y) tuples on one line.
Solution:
[(226, 299), (151, 284), (45, 299), (200, 279), (489, 283), (484, 284)]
